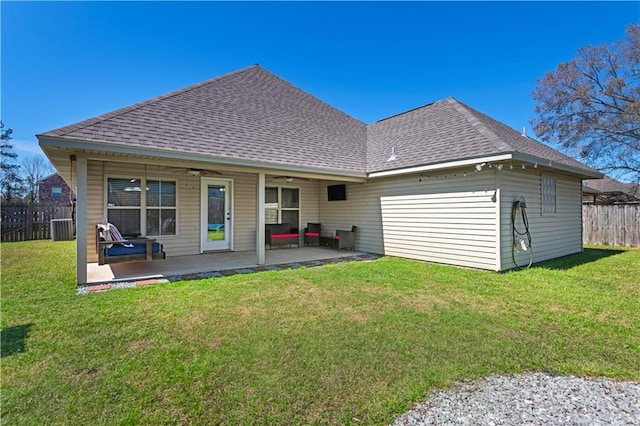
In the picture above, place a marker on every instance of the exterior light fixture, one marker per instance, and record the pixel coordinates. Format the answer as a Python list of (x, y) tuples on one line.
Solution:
[(499, 166), (480, 166), (194, 172), (288, 179)]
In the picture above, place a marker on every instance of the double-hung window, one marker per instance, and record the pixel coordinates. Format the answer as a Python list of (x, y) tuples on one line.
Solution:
[(161, 207), (282, 205), (135, 212)]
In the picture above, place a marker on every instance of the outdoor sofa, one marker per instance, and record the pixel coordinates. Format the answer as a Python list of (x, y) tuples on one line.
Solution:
[(281, 234)]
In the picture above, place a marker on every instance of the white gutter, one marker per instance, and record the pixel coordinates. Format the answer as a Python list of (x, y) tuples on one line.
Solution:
[(490, 159), (439, 166), (558, 166)]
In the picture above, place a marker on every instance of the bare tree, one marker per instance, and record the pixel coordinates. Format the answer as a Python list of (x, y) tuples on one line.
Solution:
[(33, 170), (591, 105)]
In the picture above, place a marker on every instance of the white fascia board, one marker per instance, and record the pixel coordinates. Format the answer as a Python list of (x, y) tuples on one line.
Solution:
[(183, 156), (440, 166), (585, 174), (494, 158)]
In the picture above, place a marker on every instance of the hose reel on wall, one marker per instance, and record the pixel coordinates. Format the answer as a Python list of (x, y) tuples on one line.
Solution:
[(519, 244)]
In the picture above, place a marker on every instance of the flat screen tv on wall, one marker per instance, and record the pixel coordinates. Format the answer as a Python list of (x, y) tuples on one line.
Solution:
[(336, 192)]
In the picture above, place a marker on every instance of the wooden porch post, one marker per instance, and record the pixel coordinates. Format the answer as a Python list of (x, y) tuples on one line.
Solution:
[(260, 222), (81, 220)]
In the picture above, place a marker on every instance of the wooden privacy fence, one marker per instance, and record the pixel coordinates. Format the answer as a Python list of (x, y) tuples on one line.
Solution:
[(21, 222), (614, 225)]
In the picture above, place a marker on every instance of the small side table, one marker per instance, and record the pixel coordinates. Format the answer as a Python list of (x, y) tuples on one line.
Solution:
[(328, 242)]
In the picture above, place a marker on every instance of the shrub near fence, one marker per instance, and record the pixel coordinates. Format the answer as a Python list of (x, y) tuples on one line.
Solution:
[(21, 222), (614, 225)]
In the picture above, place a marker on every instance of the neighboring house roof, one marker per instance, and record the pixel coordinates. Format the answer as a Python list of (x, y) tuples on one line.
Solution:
[(49, 177), (251, 114), (613, 191), (590, 191)]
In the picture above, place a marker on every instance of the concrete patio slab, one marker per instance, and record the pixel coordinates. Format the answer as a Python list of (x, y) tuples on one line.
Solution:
[(213, 263)]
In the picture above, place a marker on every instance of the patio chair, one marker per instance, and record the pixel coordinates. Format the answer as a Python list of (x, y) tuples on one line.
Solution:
[(312, 234), (346, 239)]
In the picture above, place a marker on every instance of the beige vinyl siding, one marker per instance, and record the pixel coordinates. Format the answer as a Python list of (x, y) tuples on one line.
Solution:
[(245, 187), (188, 232), (361, 208), (447, 218), (455, 228), (309, 204), (187, 238), (245, 196), (95, 206), (553, 235)]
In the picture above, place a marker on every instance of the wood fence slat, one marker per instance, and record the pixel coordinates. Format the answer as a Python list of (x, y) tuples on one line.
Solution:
[(615, 225), (21, 222)]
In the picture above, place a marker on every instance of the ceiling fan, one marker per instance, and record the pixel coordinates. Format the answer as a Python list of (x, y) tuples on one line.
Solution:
[(289, 179), (196, 172)]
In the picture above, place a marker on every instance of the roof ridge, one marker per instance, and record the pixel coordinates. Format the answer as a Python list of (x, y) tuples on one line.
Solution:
[(478, 124), (408, 111), (311, 95), (136, 106)]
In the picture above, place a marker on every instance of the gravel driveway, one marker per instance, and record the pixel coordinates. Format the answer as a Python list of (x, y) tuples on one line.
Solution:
[(533, 399)]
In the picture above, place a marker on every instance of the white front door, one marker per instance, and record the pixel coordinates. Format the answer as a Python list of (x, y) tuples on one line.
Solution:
[(216, 216)]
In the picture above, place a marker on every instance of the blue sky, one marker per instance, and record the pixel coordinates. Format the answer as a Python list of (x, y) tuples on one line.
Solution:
[(64, 62)]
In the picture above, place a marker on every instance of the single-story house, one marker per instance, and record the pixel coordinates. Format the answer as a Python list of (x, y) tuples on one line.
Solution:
[(436, 183), (610, 191)]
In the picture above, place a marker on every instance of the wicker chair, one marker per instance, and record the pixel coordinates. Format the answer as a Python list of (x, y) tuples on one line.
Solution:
[(312, 234), (346, 239)]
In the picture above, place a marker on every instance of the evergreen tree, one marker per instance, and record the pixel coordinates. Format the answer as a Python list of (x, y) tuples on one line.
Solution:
[(10, 181)]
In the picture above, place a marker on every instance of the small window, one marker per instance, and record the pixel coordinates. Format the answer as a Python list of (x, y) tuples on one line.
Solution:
[(56, 192), (548, 195)]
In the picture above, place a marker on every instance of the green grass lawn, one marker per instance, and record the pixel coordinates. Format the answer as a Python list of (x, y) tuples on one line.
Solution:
[(348, 343)]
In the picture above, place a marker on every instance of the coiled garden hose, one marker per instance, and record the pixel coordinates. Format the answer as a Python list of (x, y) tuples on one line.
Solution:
[(520, 205)]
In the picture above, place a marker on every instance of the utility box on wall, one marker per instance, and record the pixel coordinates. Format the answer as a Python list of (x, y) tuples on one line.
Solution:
[(61, 229)]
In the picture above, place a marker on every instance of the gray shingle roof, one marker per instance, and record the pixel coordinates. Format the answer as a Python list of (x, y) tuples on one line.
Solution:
[(448, 130), (251, 114), (608, 184)]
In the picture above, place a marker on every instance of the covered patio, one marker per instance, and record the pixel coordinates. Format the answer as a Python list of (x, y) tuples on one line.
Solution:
[(192, 265)]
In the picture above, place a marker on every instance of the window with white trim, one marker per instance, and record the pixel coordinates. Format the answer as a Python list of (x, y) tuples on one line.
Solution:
[(56, 192), (548, 195), (282, 205), (161, 207), (132, 210)]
